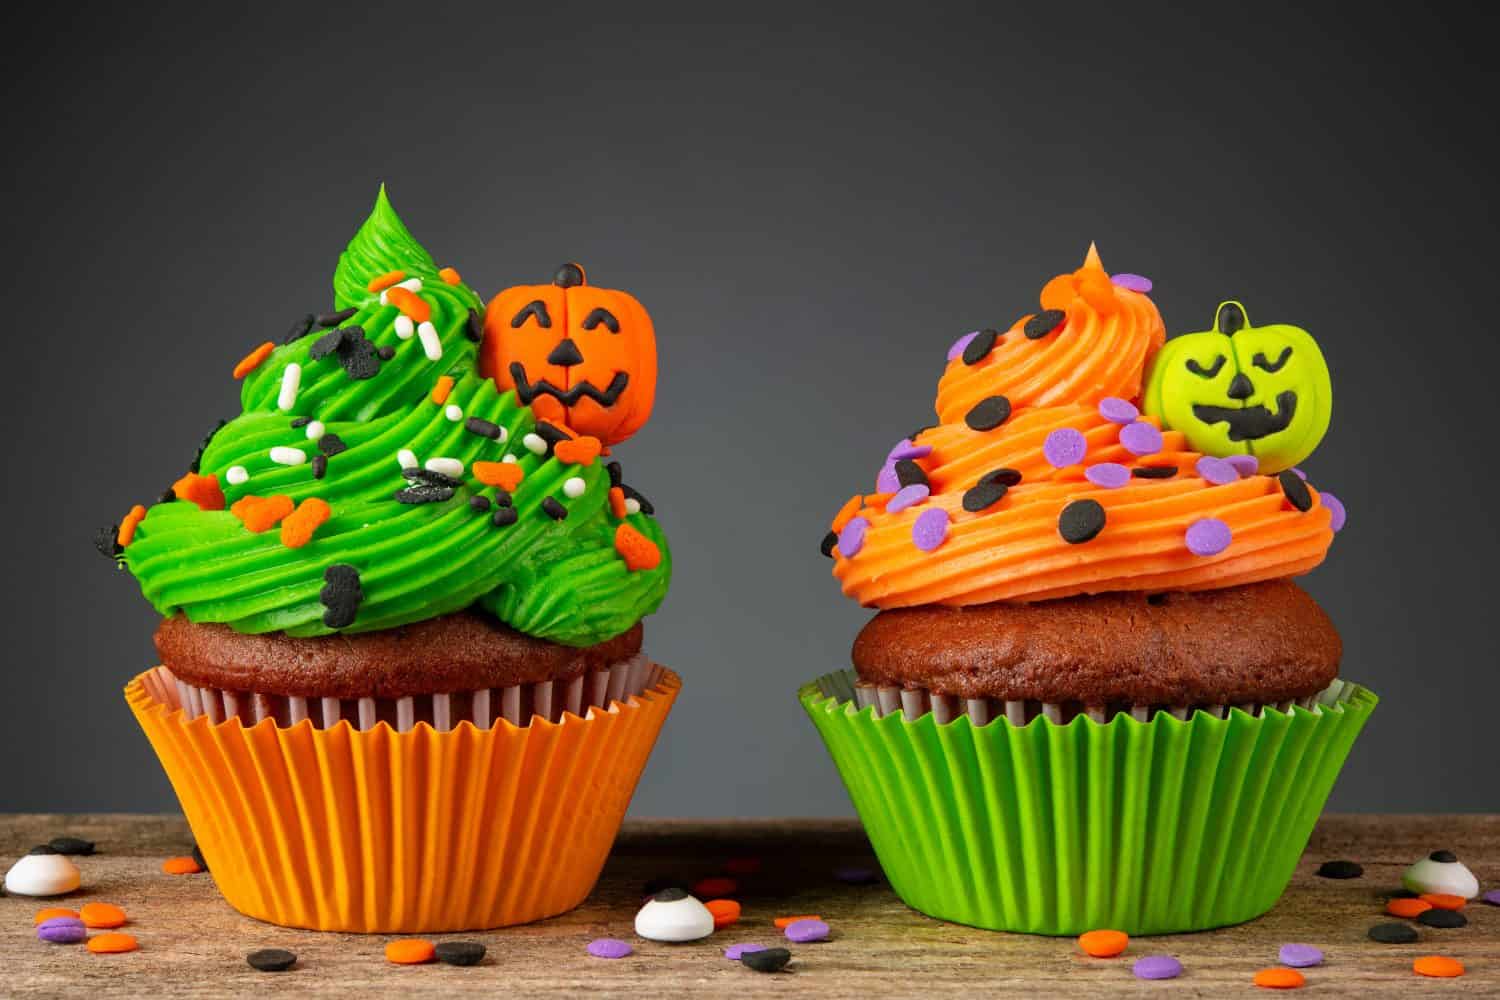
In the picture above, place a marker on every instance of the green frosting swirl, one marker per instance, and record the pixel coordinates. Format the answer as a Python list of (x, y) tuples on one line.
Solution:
[(561, 580)]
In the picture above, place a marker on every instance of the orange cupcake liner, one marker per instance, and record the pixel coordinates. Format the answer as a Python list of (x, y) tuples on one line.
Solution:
[(416, 832)]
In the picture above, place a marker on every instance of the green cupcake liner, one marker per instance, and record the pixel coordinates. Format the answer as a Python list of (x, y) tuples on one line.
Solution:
[(1146, 827)]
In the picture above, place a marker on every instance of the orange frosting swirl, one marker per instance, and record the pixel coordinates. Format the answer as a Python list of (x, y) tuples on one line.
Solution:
[(1015, 548)]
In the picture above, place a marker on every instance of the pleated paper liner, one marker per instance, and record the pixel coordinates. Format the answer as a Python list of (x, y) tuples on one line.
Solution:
[(1050, 827), (405, 832)]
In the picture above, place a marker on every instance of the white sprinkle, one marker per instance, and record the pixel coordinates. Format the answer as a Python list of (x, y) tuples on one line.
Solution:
[(632, 505), (447, 466), (237, 475), (504, 435), (535, 443), (291, 381), (407, 458), (511, 459), (405, 327), (315, 430), (453, 413), (288, 456), (432, 346), (411, 284), (573, 488)]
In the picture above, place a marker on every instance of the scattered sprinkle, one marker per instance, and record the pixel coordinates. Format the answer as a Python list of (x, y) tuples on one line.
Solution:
[(578, 451), (1064, 447), (180, 866), (1392, 934), (555, 510), (806, 931), (330, 320), (1444, 919), (410, 951), (978, 346), (1118, 411), (271, 960), (1141, 438), (1156, 967), (450, 467), (453, 412), (1280, 979), (737, 951), (1217, 471), (297, 528), (574, 487), (1407, 908), (407, 458), (423, 493), (299, 329), (71, 845), (61, 930), (1110, 475), (609, 948), (987, 414), (1438, 967), (1208, 536), (442, 389), (1154, 471), (485, 429), (253, 360), (262, 513), (1043, 323), (1340, 869), (983, 496), (101, 915), (1337, 514), (1132, 282), (410, 303), (1296, 491), (715, 886), (535, 444), (474, 328), (726, 912), (851, 539), (1492, 897), (381, 282), (199, 489), (449, 276), (341, 595), (782, 923), (825, 546), (432, 345), (930, 529), (1247, 465), (506, 475), (1103, 943), (459, 952), (385, 352), (404, 327), (52, 912), (1299, 956), (907, 496), (479, 502), (331, 444), (766, 959), (113, 943), (282, 455), (1080, 521), (638, 551), (131, 521)]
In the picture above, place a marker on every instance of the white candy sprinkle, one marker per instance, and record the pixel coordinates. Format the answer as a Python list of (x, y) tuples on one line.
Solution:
[(291, 381), (573, 488), (504, 435), (315, 430), (534, 443), (632, 505), (411, 284), (510, 459), (288, 456), (42, 875), (674, 920), (407, 458), (236, 475), (1448, 877), (447, 466), (405, 327), (453, 413), (432, 345)]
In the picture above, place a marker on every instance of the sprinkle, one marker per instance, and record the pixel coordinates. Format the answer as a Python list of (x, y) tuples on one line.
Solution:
[(535, 444), (1208, 536), (929, 529), (113, 943), (1080, 521), (1392, 934), (638, 551), (782, 923), (341, 595), (1445, 919), (479, 502), (485, 428), (314, 429), (431, 345), (198, 857), (1300, 474), (271, 960), (1340, 869), (1005, 477), (909, 473), (632, 505), (453, 412), (180, 866), (53, 912), (1110, 475), (410, 951), (132, 519), (1064, 447), (505, 475), (404, 327), (331, 444), (61, 930), (1280, 979), (449, 276), (1154, 471), (609, 948), (908, 450), (424, 493), (299, 329), (407, 458), (1337, 514), (574, 487), (726, 912), (766, 959), (262, 513), (1103, 943), (474, 328), (987, 414), (555, 510), (441, 390), (282, 455), (505, 516), (450, 467), (806, 931), (983, 496), (1246, 464), (979, 346), (462, 953), (381, 282), (1407, 909), (907, 496), (737, 951), (410, 303), (1156, 967), (1132, 282), (617, 508), (1438, 967), (329, 320), (1117, 410), (886, 480), (201, 490), (1217, 471), (1299, 956), (291, 381), (1044, 323), (1492, 897), (253, 360), (101, 915), (297, 527), (956, 351), (1141, 438), (578, 451), (1296, 491)]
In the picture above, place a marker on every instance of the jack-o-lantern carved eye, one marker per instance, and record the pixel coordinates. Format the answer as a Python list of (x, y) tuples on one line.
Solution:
[(601, 316), (1273, 366), (1209, 372), (536, 308)]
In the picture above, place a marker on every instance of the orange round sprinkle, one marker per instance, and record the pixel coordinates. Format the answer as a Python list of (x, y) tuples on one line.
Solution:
[(617, 503), (725, 911), (55, 911), (1407, 907), (101, 915), (715, 887), (1438, 967), (782, 923), (1443, 900), (202, 490), (450, 276), (262, 513), (112, 943), (126, 534), (846, 513), (180, 866), (410, 951), (1103, 943), (381, 282), (410, 303), (298, 526), (1280, 979), (577, 451), (506, 475), (252, 361), (638, 551), (442, 389)]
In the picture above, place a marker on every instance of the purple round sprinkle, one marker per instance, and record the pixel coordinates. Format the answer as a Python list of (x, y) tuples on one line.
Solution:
[(1492, 897), (806, 931), (1064, 447), (959, 345), (1217, 470), (1157, 967), (852, 538), (1300, 956), (1336, 508), (1208, 537), (1300, 474), (906, 496), (609, 948), (1117, 410), (1132, 282), (1246, 464), (929, 529), (887, 480), (855, 875), (1140, 438), (734, 951), (62, 930), (1110, 475), (908, 450)]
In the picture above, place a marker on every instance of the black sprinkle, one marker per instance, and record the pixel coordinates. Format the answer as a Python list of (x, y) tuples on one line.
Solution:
[(1341, 869), (198, 857), (319, 466), (484, 428), (44, 849), (616, 474), (671, 894), (330, 320), (299, 329), (327, 344), (1005, 477), (1443, 857), (1080, 521), (167, 496), (271, 960), (656, 885), (474, 329), (1392, 934), (768, 960), (1295, 489), (424, 494), (357, 355), (107, 543), (987, 414), (459, 952), (71, 845), (1446, 919), (479, 502), (1043, 323), (634, 494), (550, 434), (829, 541), (340, 595), (430, 477), (1154, 472), (385, 352), (503, 517), (983, 496), (980, 347), (553, 509), (197, 462), (502, 497), (331, 444), (909, 473), (298, 422)]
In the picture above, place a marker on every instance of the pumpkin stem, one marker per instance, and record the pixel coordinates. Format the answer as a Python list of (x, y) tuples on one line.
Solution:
[(570, 275), (1230, 318)]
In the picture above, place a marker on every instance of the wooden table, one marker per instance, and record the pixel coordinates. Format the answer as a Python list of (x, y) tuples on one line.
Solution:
[(193, 944)]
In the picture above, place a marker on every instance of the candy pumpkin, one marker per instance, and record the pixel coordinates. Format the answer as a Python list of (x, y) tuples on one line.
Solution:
[(1243, 390), (578, 355)]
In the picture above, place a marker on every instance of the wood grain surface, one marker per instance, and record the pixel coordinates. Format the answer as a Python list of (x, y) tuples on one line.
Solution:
[(194, 945)]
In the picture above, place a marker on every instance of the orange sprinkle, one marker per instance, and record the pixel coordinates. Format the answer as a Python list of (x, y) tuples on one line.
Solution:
[(1103, 943), (617, 502), (578, 451), (846, 513), (201, 490), (638, 551), (381, 282), (1438, 967), (252, 361), (410, 303), (101, 915), (442, 389), (1280, 979), (782, 923), (55, 911), (1407, 907), (180, 866), (715, 888), (126, 533), (1443, 900), (410, 951), (112, 944), (450, 276), (298, 526), (878, 501), (506, 475), (262, 513), (725, 911)]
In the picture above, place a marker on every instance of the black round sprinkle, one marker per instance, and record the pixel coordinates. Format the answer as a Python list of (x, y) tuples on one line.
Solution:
[(71, 845), (299, 329), (168, 495), (386, 352), (1044, 323), (424, 493), (1392, 934), (331, 444), (980, 347), (460, 952), (1446, 919), (829, 541), (1341, 869), (909, 473), (319, 466), (198, 857), (300, 422), (479, 502), (502, 497), (327, 344), (1080, 521), (107, 542), (327, 320), (1297, 493), (44, 849), (671, 894), (271, 960), (983, 496), (503, 517), (769, 960), (553, 509), (1005, 477), (431, 477), (987, 414), (474, 328), (484, 428), (1154, 472), (1443, 857)]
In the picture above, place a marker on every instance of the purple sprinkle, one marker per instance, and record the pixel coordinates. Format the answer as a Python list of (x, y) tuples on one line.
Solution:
[(1208, 537), (1336, 508), (1217, 470), (609, 948), (887, 481), (806, 931), (959, 345), (1246, 464), (62, 930), (1110, 475), (1132, 282), (1157, 967), (1064, 447), (1492, 897), (1117, 410), (929, 529), (908, 450), (1140, 438), (1300, 474), (734, 951), (906, 496), (855, 875), (1300, 956), (852, 538)]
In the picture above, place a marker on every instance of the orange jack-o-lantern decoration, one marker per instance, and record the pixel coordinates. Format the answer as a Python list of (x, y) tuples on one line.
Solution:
[(579, 356)]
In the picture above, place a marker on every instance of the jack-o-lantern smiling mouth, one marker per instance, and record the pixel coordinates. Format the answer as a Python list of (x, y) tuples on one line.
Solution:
[(1250, 423), (528, 390)]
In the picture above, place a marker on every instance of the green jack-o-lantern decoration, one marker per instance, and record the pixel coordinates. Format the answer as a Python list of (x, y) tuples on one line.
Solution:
[(1243, 390)]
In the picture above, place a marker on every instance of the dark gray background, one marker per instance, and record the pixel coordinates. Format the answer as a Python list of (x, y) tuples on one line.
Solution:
[(812, 209)]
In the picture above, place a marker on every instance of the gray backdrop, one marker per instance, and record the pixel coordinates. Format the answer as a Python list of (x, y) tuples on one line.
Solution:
[(812, 210)]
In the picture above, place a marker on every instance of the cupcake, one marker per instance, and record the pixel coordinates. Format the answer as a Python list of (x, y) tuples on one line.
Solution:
[(1092, 695), (402, 683)]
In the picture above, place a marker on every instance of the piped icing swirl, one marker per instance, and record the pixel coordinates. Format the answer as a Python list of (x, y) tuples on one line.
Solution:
[(375, 479), (1043, 480)]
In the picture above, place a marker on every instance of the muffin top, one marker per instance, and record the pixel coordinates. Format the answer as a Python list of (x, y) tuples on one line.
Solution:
[(378, 476)]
